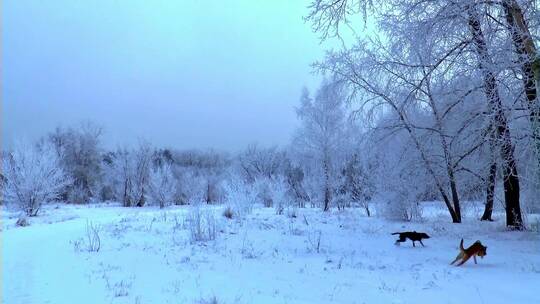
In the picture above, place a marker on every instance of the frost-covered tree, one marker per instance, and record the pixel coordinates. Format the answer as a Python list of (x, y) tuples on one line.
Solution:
[(357, 183), (319, 141), (163, 185), (527, 57), (122, 170), (205, 172), (256, 162), (33, 176), (79, 150), (294, 177), (435, 61), (398, 172), (130, 171), (142, 161)]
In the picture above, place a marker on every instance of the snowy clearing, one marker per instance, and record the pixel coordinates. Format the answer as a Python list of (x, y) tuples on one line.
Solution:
[(147, 256)]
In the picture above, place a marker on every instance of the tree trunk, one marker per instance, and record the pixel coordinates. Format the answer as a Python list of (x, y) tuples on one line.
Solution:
[(490, 191), (208, 193), (455, 195), (530, 66), (510, 174), (491, 179), (447, 154), (127, 201), (528, 58), (327, 193)]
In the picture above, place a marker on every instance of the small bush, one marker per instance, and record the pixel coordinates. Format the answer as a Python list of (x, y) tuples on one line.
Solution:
[(93, 241), (314, 241), (240, 199), (22, 222), (292, 212), (228, 212), (400, 207), (202, 225), (122, 288), (211, 300)]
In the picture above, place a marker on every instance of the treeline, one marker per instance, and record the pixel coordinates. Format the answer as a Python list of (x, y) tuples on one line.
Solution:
[(333, 161)]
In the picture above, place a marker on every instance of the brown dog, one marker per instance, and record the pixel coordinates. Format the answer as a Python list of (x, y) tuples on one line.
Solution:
[(476, 249)]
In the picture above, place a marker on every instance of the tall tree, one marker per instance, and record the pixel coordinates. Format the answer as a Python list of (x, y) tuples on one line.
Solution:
[(79, 150), (450, 42), (529, 63), (320, 136), (502, 131), (528, 59)]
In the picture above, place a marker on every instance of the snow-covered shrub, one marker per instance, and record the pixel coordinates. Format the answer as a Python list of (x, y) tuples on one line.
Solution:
[(93, 240), (356, 184), (33, 176), (342, 201), (209, 168), (278, 191), (264, 193), (131, 171), (313, 241), (401, 180), (257, 163), (213, 189), (189, 186), (248, 249), (240, 198), (294, 176), (202, 224), (228, 212), (162, 185), (77, 194), (22, 222), (399, 206), (122, 288), (210, 300), (292, 211)]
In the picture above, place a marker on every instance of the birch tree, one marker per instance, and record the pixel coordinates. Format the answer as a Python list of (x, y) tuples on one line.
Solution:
[(320, 137)]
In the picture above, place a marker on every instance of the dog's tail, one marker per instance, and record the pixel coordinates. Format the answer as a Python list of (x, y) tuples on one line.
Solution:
[(460, 254), (396, 233)]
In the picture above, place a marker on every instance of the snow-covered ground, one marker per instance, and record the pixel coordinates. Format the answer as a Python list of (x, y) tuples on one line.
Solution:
[(147, 256)]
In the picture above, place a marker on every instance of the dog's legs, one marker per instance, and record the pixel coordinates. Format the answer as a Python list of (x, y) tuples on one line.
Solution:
[(474, 257), (413, 244), (422, 243), (465, 259), (459, 256)]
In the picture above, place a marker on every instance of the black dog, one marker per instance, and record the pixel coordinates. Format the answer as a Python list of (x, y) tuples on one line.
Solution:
[(413, 236)]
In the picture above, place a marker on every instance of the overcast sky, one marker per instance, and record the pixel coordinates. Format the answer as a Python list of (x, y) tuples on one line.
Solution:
[(182, 74)]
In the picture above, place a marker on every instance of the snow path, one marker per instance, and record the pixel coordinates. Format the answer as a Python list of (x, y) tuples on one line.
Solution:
[(146, 257)]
